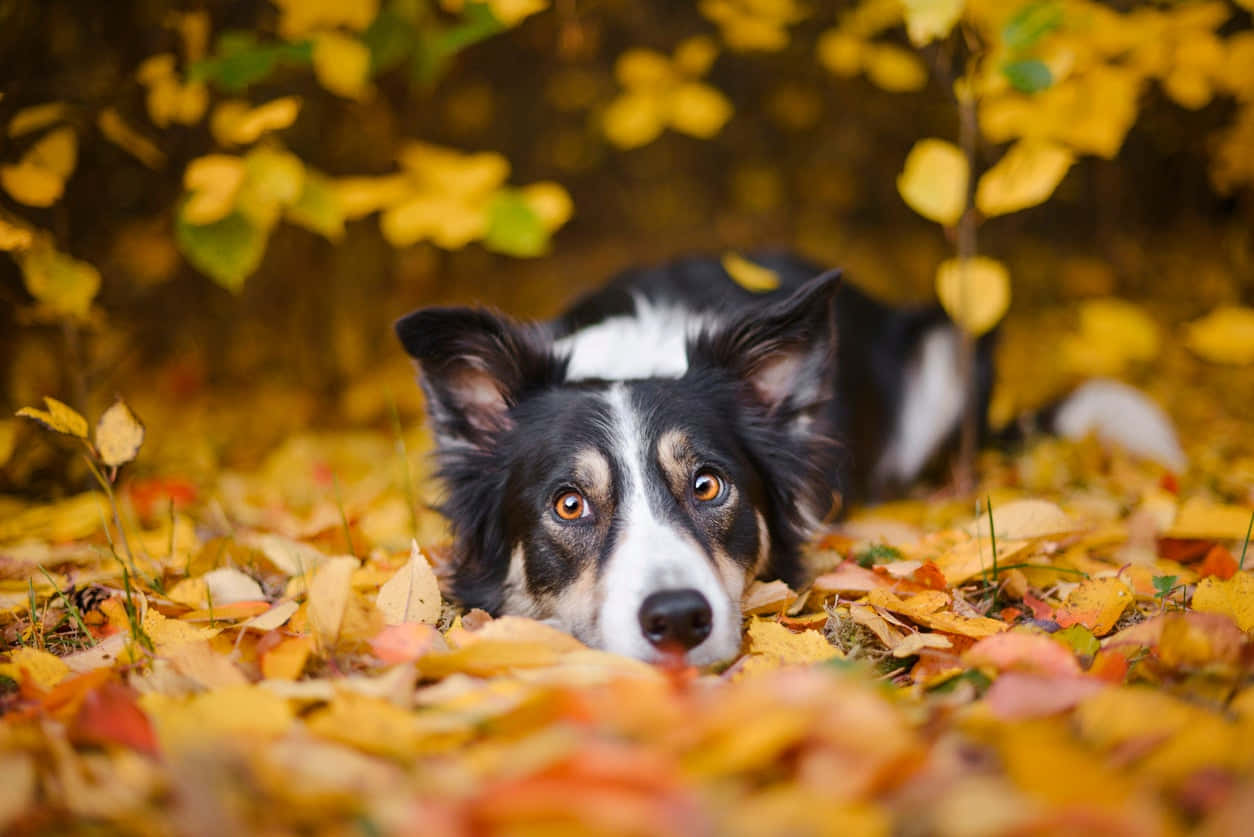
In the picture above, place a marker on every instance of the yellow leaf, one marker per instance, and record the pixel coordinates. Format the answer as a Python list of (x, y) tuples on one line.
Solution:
[(1023, 519), (1096, 604), (1225, 335), (412, 594), (1113, 333), (360, 196), (698, 110), (287, 660), (451, 173), (1200, 518), (328, 599), (59, 417), (43, 669), (13, 237), (841, 53), (928, 609), (450, 224), (246, 711), (116, 131), (1234, 597), (550, 201), (488, 658), (37, 117), (300, 17), (975, 294), (274, 175), (894, 69), (512, 12), (930, 20), (235, 123), (341, 64), (30, 184), (934, 181), (214, 181), (118, 435), (1025, 176), (752, 277), (57, 152), (633, 119), (695, 55), (517, 629), (772, 639), (643, 68)]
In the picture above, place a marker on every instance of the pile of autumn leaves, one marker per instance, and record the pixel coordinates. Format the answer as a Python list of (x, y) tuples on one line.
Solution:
[(1040, 668)]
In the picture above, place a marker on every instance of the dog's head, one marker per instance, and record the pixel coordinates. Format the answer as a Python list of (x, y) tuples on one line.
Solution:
[(631, 513)]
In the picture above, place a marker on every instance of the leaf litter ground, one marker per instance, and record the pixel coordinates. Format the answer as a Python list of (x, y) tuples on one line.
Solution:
[(267, 650)]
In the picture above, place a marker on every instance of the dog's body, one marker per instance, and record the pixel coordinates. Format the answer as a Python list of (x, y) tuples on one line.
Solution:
[(627, 468)]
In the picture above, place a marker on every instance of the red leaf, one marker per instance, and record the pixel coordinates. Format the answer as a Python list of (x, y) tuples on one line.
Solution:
[(1040, 610), (1218, 562), (930, 576), (109, 715), (1183, 550)]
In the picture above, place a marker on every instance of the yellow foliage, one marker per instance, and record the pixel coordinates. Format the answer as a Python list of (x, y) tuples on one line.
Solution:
[(663, 92), (1025, 176), (236, 123), (169, 99), (1114, 333), (930, 20), (1234, 597), (298, 18), (893, 69), (974, 292), (38, 179), (840, 52), (748, 25), (1225, 335), (342, 64), (14, 237), (37, 117), (412, 594), (934, 181), (115, 129), (214, 182), (42, 669), (63, 285)]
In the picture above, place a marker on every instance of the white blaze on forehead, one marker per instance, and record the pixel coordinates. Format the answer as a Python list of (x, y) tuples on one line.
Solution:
[(652, 555), (651, 343)]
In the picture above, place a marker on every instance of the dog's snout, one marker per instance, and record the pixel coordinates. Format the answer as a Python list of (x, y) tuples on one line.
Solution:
[(676, 618)]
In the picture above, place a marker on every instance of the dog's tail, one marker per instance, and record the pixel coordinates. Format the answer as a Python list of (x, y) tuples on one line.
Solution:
[(1116, 414)]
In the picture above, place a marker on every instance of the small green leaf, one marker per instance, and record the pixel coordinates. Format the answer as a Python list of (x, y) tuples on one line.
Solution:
[(877, 553), (1028, 76), (438, 47), (1031, 23), (239, 60), (1080, 639), (227, 251), (514, 228), (1164, 584), (391, 39)]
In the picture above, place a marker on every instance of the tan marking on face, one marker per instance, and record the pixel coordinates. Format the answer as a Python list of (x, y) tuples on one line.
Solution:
[(731, 575), (592, 470), (577, 606), (675, 457), (764, 545), (518, 599)]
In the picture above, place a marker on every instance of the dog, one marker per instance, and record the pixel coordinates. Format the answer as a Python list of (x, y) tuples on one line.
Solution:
[(625, 470)]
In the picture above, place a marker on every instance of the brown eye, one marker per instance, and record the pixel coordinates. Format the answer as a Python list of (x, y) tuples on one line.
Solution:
[(570, 505), (707, 486)]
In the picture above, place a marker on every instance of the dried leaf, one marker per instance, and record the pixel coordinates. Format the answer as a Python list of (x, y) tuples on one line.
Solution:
[(328, 599), (412, 594), (119, 435)]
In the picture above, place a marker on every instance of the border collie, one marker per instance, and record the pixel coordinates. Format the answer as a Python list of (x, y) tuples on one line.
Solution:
[(626, 469)]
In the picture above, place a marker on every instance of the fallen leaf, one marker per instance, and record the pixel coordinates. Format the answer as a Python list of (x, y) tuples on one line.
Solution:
[(1097, 604), (39, 668), (927, 609), (406, 642), (328, 599), (1199, 518), (1019, 651), (286, 660), (771, 639), (1234, 598), (1023, 519), (228, 585), (110, 715), (1018, 695), (412, 594), (749, 275)]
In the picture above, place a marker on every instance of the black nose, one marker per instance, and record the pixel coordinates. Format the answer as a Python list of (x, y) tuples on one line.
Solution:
[(676, 618)]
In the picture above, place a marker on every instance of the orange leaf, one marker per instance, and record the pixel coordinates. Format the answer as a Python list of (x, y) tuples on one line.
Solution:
[(109, 715), (1218, 562)]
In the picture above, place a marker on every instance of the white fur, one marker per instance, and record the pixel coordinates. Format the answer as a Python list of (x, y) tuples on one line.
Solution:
[(1118, 414), (931, 409), (652, 556), (651, 343)]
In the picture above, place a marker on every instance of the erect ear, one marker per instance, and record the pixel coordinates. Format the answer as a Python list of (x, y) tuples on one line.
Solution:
[(784, 353), (476, 365)]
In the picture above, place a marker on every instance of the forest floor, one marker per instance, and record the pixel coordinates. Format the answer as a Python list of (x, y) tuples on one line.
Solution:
[(264, 649)]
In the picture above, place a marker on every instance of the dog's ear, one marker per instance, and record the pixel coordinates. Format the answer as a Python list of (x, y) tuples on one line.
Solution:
[(476, 365), (784, 353)]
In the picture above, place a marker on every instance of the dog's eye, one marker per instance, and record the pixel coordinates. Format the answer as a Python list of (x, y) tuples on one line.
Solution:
[(707, 486), (570, 505)]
